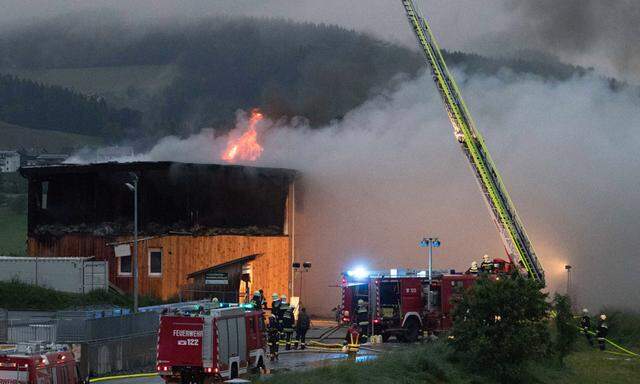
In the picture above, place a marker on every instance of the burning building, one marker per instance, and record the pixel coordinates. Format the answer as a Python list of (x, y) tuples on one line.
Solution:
[(202, 227)]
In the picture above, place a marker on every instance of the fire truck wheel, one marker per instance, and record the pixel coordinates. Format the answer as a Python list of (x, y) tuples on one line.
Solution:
[(234, 371), (413, 330)]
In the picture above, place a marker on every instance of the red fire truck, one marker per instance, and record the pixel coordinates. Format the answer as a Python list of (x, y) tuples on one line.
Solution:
[(219, 344), (21, 366), (402, 303)]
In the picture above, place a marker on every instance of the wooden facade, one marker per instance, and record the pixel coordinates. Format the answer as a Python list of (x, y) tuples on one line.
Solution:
[(181, 255), (195, 215)]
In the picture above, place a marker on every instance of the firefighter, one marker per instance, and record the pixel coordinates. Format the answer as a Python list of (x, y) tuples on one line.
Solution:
[(601, 331), (585, 325), (362, 316), (215, 303), (288, 321), (275, 305), (486, 265), (352, 339), (302, 326), (474, 268), (273, 333), (256, 300), (263, 304), (282, 307)]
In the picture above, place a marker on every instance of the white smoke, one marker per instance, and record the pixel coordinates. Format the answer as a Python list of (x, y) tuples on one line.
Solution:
[(391, 172)]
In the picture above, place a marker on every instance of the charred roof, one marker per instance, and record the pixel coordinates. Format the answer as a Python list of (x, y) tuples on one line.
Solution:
[(172, 197)]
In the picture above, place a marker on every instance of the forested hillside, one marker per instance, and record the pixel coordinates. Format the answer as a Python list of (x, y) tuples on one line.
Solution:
[(218, 65), (33, 105)]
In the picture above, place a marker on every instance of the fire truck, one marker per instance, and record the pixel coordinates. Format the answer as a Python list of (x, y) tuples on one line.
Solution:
[(31, 364), (211, 345), (403, 304)]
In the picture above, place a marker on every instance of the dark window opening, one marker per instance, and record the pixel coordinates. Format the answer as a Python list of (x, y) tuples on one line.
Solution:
[(124, 265), (155, 262)]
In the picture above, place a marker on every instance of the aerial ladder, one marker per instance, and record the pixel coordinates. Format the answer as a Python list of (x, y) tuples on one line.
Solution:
[(501, 208)]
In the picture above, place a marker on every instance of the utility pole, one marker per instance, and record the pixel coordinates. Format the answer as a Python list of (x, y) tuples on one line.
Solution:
[(134, 188)]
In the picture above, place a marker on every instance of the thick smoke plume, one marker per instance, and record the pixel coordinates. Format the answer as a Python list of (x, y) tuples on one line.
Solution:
[(391, 172), (568, 28)]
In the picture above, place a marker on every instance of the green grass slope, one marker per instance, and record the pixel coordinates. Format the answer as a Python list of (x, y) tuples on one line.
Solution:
[(430, 364), (16, 137), (13, 233), (15, 295)]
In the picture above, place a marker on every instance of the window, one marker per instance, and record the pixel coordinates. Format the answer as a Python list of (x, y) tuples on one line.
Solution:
[(124, 265), (45, 194), (155, 262)]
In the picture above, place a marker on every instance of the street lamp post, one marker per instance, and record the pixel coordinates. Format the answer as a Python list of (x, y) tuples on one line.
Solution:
[(134, 188), (306, 266), (430, 243), (569, 288)]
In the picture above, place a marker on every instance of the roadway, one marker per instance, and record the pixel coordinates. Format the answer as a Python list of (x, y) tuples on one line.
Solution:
[(296, 360)]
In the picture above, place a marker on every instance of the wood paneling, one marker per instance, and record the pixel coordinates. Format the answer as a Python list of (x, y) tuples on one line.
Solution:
[(181, 255)]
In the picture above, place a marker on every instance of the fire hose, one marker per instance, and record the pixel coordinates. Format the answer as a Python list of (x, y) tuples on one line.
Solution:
[(118, 377), (625, 352)]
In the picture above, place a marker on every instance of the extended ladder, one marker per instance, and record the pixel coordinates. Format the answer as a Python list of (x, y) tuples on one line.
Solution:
[(503, 212)]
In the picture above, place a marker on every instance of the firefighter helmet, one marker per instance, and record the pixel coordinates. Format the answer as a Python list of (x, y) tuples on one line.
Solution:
[(256, 293), (360, 302), (585, 310), (485, 258), (603, 317), (474, 265), (283, 298), (275, 296)]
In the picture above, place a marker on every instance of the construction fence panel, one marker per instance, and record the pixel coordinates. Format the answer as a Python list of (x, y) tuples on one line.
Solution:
[(85, 326), (4, 325), (109, 343), (118, 355), (27, 331)]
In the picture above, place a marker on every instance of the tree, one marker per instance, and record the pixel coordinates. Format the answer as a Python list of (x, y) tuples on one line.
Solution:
[(501, 324), (566, 332)]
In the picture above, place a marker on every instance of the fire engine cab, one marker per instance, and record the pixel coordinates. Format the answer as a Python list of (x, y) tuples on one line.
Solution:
[(32, 364), (211, 345), (402, 303)]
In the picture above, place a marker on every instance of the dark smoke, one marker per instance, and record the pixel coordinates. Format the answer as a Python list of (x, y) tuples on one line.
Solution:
[(609, 29)]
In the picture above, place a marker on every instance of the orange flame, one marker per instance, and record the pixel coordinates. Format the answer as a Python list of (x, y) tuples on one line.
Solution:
[(245, 147)]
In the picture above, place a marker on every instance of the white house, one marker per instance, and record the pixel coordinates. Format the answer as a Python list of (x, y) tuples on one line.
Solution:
[(9, 161)]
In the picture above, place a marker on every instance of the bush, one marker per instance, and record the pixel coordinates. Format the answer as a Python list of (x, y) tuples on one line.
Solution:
[(624, 326), (566, 331), (499, 325)]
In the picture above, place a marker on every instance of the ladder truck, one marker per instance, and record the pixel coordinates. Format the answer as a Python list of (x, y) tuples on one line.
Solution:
[(501, 208)]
